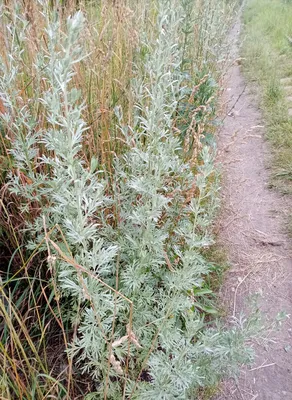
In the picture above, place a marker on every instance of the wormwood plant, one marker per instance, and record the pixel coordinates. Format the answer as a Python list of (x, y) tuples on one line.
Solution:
[(126, 252)]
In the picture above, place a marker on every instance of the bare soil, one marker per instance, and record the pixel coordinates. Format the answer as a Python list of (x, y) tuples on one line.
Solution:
[(252, 232)]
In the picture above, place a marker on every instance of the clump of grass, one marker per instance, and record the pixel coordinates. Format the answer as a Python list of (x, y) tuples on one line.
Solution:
[(268, 52)]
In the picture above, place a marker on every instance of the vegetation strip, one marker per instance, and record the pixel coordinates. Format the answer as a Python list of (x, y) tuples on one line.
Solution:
[(267, 55), (107, 121)]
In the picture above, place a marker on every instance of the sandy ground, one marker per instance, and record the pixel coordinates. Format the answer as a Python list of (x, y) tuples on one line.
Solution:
[(251, 230)]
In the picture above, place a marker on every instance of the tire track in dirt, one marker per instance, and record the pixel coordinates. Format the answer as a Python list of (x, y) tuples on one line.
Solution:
[(251, 230)]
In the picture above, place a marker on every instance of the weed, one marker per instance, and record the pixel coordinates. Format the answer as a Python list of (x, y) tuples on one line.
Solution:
[(108, 128)]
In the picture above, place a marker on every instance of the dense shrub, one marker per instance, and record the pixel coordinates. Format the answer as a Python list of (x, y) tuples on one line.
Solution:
[(124, 243)]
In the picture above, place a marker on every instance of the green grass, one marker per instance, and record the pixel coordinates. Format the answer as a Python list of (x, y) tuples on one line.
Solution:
[(268, 59)]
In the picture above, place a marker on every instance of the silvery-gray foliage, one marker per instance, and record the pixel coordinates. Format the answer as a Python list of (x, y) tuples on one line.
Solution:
[(130, 283)]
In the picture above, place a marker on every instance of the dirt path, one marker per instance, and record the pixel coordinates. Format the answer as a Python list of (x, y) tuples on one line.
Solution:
[(251, 230)]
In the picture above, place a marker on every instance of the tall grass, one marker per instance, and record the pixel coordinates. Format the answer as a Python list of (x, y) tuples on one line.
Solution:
[(108, 200)]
